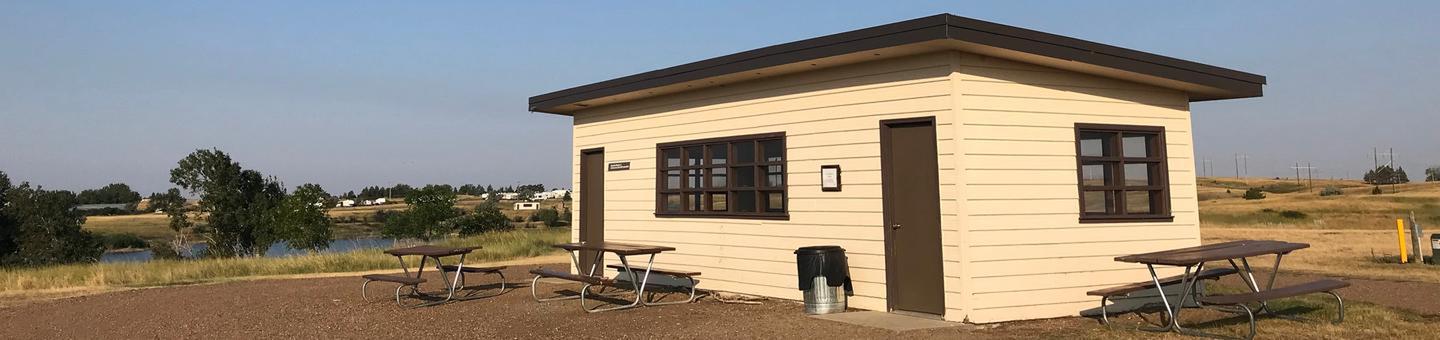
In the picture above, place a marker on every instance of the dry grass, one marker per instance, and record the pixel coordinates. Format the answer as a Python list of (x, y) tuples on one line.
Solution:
[(1347, 253), (1356, 209), (497, 246)]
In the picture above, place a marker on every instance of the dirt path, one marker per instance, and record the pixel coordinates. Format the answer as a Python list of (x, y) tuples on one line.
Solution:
[(332, 308)]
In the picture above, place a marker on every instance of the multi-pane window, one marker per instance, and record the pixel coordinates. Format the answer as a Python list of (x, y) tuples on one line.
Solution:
[(1122, 173), (740, 176)]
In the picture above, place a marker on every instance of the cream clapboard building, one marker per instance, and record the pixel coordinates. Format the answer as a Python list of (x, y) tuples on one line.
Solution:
[(986, 172)]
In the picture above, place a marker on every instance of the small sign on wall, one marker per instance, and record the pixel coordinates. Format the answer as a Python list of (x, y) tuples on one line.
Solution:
[(617, 166), (830, 177)]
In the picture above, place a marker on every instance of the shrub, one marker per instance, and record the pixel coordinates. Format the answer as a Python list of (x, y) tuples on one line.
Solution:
[(1331, 191), (164, 251), (518, 218), (1292, 214), (1254, 194), (549, 216), (122, 241), (487, 218), (1376, 190)]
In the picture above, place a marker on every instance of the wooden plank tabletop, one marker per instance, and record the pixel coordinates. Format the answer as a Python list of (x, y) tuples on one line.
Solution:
[(1214, 252), (617, 248), (430, 250)]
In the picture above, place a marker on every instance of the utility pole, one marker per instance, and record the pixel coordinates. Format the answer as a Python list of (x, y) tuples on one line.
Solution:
[(1246, 158), (1309, 172), (1311, 175), (1237, 165)]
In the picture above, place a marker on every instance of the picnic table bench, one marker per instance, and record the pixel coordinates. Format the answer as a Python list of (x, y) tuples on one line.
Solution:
[(593, 277), (1106, 294), (685, 274), (426, 252), (1193, 259)]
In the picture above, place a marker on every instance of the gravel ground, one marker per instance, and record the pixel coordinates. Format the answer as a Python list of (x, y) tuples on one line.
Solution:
[(332, 308), (1419, 297)]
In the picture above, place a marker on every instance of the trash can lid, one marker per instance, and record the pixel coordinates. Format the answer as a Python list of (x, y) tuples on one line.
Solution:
[(818, 249)]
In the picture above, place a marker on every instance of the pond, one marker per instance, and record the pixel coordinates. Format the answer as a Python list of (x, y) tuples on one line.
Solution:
[(276, 250)]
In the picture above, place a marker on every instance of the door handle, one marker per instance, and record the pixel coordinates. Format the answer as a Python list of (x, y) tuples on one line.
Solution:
[(895, 226)]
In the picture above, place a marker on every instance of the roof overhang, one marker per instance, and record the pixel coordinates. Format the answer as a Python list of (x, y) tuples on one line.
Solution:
[(929, 34)]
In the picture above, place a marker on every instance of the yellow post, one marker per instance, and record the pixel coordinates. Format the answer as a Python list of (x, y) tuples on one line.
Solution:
[(1400, 238)]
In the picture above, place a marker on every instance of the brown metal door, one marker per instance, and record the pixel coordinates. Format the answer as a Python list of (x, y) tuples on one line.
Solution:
[(910, 176), (592, 205)]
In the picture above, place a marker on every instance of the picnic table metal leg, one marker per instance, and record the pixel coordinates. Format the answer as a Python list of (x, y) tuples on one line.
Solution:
[(459, 271), (639, 290), (1169, 313)]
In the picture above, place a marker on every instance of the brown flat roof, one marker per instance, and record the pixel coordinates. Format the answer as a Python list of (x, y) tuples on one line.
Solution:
[(1203, 82)]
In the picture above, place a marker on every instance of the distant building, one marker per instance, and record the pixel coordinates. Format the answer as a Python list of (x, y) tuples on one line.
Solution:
[(552, 194), (345, 203), (380, 200), (527, 206), (367, 202)]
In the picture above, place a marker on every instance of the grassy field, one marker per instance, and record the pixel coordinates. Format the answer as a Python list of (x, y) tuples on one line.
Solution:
[(351, 222), (497, 246), (1351, 235), (1355, 209)]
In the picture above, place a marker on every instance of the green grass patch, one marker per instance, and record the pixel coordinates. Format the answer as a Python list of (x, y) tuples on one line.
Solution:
[(1283, 187), (496, 246), (1263, 216)]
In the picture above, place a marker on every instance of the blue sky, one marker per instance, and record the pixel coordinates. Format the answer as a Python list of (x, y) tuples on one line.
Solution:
[(349, 94)]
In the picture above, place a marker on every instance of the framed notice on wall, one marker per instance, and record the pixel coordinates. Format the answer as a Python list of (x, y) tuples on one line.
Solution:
[(830, 178)]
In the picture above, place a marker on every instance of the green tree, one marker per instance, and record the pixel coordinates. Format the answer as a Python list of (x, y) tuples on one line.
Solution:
[(8, 229), (491, 218), (1386, 175), (238, 204), (1432, 174), (114, 193), (550, 216), (47, 228), (304, 218), (173, 204), (429, 206)]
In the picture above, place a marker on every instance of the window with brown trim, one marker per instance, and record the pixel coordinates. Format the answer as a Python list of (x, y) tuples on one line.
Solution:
[(1122, 173), (732, 177)]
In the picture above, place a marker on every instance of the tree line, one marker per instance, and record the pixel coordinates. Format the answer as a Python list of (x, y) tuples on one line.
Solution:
[(404, 190), (39, 227)]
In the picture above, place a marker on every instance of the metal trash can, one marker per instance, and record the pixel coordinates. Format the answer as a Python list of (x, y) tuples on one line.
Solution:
[(824, 278), (1434, 248)]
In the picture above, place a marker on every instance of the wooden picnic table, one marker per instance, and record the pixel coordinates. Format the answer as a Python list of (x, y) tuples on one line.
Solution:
[(1194, 259), (1214, 252), (593, 277), (426, 252)]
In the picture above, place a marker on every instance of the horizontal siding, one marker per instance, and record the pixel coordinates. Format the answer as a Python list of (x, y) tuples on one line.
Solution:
[(829, 116), (1025, 253)]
